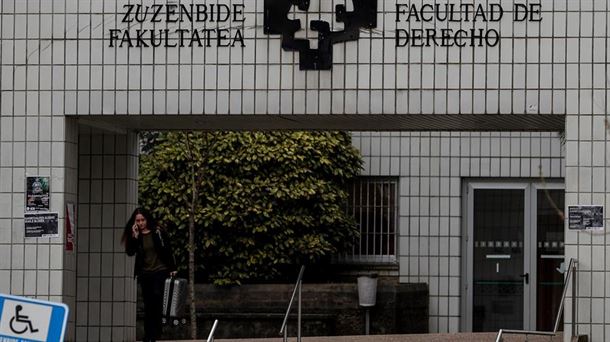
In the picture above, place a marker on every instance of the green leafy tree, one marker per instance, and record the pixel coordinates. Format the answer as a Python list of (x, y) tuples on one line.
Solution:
[(265, 200)]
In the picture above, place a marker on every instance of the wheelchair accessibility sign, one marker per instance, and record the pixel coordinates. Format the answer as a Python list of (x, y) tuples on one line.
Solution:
[(31, 320)]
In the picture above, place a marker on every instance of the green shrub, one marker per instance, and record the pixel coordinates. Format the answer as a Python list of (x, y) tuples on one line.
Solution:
[(266, 199)]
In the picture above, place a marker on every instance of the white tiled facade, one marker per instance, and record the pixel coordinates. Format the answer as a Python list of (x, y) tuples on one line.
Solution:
[(587, 181), (431, 167), (58, 75), (43, 145), (61, 50)]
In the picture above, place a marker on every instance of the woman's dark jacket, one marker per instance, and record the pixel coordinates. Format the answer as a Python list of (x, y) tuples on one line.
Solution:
[(162, 246)]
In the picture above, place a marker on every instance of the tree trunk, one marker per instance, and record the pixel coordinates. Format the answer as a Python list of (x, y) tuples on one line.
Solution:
[(191, 247)]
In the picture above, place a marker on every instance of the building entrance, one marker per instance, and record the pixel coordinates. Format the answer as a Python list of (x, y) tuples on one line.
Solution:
[(514, 255)]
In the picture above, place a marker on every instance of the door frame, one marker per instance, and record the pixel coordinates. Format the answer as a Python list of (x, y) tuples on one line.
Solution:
[(535, 186), (529, 187)]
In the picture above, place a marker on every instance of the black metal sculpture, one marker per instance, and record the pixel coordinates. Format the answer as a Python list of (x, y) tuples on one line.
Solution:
[(277, 22)]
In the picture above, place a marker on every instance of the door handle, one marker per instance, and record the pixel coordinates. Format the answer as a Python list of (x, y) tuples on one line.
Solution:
[(526, 276)]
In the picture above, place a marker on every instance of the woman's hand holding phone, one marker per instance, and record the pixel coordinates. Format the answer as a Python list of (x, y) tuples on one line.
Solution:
[(135, 232)]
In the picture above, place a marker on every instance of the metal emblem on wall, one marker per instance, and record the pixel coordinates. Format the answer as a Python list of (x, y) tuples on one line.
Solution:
[(277, 22)]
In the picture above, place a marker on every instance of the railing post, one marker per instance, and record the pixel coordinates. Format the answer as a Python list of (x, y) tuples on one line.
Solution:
[(499, 336), (297, 288), (299, 313), (574, 300), (569, 277), (566, 283), (213, 331)]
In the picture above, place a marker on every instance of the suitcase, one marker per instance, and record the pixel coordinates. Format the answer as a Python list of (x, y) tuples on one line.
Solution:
[(174, 301)]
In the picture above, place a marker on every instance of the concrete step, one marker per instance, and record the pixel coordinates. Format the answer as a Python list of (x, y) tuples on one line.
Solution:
[(459, 337)]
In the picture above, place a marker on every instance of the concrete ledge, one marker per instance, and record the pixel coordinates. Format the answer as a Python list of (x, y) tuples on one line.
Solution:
[(459, 337), (329, 309), (352, 122)]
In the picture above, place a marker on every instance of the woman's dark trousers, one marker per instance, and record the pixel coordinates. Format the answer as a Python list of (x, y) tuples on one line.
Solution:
[(152, 293)]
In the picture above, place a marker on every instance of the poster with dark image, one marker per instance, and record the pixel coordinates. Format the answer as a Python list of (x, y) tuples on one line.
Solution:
[(41, 225), (37, 194), (586, 217)]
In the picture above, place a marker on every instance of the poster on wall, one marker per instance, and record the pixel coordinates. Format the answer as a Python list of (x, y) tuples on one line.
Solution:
[(586, 217), (70, 227), (39, 225), (37, 194)]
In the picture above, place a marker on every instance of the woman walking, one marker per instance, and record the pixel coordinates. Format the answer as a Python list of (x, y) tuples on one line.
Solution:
[(154, 263)]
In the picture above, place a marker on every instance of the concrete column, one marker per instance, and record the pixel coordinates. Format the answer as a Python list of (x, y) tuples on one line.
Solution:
[(107, 189), (587, 183)]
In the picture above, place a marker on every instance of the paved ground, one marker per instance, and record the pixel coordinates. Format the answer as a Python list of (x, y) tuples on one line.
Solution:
[(465, 337)]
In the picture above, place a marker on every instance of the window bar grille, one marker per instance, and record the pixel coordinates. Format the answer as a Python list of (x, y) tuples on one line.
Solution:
[(374, 205), (368, 213), (360, 188), (389, 218), (356, 218), (377, 217), (393, 220), (374, 234)]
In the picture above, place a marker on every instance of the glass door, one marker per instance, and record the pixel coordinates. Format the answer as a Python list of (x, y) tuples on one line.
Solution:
[(549, 256), (498, 278), (514, 254)]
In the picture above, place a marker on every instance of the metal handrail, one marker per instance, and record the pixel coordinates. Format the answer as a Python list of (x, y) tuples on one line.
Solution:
[(297, 288), (211, 336), (570, 275)]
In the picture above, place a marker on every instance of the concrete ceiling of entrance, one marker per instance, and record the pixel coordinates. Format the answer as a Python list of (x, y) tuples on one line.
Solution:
[(348, 122)]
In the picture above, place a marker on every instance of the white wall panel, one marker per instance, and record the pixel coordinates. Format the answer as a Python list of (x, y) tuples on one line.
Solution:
[(63, 48), (432, 168)]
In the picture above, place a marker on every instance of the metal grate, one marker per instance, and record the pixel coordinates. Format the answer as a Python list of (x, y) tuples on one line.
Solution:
[(373, 201)]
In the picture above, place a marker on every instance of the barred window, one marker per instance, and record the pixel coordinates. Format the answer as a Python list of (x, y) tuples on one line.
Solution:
[(374, 203)]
